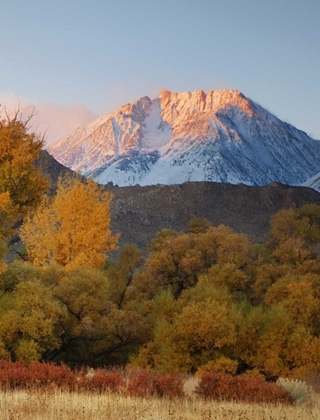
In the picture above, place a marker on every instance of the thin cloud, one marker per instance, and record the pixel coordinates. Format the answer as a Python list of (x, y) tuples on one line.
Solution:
[(49, 119)]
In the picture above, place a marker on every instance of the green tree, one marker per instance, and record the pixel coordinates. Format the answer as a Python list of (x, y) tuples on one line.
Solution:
[(121, 273), (198, 225), (176, 260), (271, 342), (298, 295), (295, 234), (303, 223), (29, 322), (94, 329), (198, 328)]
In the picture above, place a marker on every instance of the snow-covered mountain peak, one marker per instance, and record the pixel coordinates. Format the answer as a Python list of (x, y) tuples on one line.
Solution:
[(199, 103), (219, 136)]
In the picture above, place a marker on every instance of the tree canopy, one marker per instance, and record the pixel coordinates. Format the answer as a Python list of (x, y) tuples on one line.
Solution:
[(202, 300), (71, 228), (21, 182)]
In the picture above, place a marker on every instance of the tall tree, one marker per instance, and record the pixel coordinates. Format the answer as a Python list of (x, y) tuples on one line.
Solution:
[(121, 273), (177, 259), (21, 183), (29, 322), (197, 328), (72, 228)]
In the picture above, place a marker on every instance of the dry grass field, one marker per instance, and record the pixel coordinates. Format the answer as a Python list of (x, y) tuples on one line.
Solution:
[(63, 405)]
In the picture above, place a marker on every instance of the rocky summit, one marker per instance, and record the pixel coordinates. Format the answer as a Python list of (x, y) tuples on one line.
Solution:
[(218, 136)]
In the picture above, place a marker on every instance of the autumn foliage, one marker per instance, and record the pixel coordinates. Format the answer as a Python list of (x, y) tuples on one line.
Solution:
[(146, 384), (21, 182), (141, 384), (206, 301), (200, 302), (72, 228), (221, 386), (100, 381), (18, 375)]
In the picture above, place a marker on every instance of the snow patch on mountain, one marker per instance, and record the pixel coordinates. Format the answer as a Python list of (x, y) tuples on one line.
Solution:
[(217, 136), (313, 182)]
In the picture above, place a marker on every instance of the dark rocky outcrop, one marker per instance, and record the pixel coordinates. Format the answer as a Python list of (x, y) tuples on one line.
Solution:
[(140, 212)]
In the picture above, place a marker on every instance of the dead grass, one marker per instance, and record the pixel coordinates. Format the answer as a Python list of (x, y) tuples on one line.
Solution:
[(62, 405)]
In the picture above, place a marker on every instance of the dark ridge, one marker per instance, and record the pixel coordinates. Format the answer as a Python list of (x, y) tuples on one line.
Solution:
[(138, 213), (53, 168)]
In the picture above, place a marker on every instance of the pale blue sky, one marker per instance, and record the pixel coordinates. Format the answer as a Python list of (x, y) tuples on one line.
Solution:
[(102, 54)]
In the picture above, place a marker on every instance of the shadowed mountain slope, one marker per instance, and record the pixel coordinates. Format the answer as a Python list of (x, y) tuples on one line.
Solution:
[(140, 212)]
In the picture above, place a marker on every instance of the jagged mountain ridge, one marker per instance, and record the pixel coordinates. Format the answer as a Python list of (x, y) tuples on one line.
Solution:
[(219, 136)]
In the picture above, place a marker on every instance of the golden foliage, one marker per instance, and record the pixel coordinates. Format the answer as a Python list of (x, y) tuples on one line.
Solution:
[(71, 229), (177, 259), (29, 321), (21, 183), (121, 274), (3, 251), (203, 301), (222, 364), (201, 327)]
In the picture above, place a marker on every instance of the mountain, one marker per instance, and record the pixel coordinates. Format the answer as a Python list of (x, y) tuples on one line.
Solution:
[(313, 182), (52, 169), (138, 213), (219, 136)]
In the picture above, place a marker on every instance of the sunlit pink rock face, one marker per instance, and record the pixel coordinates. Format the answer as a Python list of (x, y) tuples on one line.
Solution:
[(219, 136)]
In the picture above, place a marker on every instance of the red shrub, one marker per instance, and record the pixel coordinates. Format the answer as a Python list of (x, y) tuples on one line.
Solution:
[(144, 384), (141, 384), (168, 386), (313, 380), (101, 380), (256, 390), (48, 373), (36, 374), (13, 374), (16, 374), (221, 386)]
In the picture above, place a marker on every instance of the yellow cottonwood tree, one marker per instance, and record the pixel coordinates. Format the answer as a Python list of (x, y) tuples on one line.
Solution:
[(72, 228), (21, 183)]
